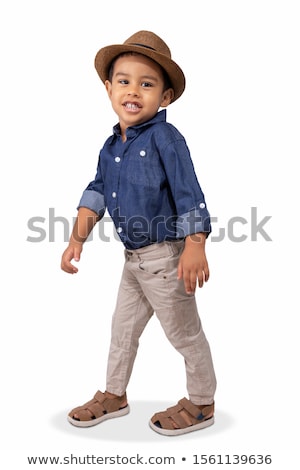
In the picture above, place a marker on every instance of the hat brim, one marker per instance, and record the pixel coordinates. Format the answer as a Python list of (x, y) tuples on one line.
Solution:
[(106, 55)]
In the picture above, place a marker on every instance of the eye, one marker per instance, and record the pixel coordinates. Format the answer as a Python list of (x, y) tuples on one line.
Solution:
[(123, 81), (146, 85)]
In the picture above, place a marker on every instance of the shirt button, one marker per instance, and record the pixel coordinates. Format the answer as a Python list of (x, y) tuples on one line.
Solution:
[(117, 159), (202, 205), (143, 153), (114, 194), (119, 229)]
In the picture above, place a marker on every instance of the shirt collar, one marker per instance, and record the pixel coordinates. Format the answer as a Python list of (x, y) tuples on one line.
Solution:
[(161, 116)]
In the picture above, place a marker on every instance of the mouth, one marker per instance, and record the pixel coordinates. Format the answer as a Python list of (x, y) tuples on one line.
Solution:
[(132, 106)]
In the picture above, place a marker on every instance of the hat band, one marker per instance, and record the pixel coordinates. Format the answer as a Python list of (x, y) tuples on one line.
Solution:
[(142, 45)]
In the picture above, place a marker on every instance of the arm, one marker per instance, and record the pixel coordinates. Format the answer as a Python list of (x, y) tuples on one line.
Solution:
[(193, 222), (86, 219), (193, 266)]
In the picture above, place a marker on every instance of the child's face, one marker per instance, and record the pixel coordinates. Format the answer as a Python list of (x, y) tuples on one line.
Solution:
[(136, 90)]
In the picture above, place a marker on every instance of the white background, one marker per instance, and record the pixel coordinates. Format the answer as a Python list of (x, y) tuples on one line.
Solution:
[(240, 117)]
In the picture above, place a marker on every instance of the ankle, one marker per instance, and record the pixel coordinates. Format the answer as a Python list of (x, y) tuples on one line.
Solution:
[(112, 395)]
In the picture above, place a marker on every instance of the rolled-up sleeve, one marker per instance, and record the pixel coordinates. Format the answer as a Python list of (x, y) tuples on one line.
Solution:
[(194, 221), (93, 195), (192, 213), (93, 201)]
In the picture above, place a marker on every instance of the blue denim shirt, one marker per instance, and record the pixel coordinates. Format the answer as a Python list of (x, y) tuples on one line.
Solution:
[(148, 184)]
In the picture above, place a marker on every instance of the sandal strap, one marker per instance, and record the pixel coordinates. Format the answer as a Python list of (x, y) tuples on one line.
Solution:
[(164, 421), (194, 410), (183, 415), (98, 406), (109, 404)]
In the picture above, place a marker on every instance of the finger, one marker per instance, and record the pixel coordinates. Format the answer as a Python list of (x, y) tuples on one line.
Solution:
[(66, 264), (179, 271), (190, 282), (206, 273), (69, 267), (201, 278), (72, 269), (77, 253)]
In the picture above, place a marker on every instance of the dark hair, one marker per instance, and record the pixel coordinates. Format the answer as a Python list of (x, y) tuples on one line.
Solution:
[(166, 79)]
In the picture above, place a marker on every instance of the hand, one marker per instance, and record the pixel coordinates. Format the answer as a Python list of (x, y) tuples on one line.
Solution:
[(73, 252), (193, 267), (85, 221)]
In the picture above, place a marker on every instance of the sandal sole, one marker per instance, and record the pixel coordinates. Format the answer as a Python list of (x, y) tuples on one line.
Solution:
[(94, 422), (178, 432)]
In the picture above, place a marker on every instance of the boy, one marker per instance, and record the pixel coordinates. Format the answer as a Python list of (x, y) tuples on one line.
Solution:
[(146, 180)]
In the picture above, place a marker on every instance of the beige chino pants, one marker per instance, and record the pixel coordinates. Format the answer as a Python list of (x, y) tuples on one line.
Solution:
[(149, 284)]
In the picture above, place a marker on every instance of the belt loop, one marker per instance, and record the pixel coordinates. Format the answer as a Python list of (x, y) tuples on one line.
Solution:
[(170, 246), (128, 254)]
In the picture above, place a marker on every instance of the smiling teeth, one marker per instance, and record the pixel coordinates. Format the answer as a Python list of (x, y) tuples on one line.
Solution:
[(131, 106)]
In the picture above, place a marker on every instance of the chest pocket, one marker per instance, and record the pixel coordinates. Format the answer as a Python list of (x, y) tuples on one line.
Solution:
[(144, 168)]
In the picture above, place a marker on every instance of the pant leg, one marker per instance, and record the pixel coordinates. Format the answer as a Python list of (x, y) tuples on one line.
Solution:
[(131, 315), (178, 315)]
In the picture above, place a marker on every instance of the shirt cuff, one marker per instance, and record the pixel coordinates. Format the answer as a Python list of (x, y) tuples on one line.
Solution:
[(93, 200), (194, 221)]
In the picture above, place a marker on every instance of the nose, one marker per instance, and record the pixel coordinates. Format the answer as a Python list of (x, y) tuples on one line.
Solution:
[(133, 90)]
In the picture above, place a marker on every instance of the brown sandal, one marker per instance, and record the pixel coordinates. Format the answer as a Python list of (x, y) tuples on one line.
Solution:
[(97, 410), (182, 418)]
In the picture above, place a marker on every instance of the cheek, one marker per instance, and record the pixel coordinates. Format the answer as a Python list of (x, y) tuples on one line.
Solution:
[(113, 96)]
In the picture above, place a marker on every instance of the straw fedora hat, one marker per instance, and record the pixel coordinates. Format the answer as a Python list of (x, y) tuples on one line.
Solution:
[(150, 45)]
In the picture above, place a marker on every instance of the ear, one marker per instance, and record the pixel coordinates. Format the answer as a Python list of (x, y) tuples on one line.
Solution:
[(107, 84), (167, 97)]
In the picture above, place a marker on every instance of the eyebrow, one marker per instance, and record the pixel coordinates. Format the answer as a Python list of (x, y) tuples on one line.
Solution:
[(144, 77)]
